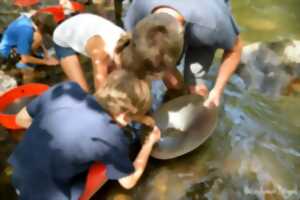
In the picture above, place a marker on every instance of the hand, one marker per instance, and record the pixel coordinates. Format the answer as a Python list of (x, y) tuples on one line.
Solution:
[(51, 61), (200, 89), (155, 135), (213, 99)]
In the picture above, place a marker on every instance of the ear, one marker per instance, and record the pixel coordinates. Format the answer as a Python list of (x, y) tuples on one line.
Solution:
[(123, 42), (123, 118)]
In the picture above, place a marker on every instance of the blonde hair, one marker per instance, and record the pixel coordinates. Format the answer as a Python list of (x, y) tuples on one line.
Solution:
[(124, 92)]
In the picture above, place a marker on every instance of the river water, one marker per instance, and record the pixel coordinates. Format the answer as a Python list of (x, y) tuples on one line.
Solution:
[(255, 150)]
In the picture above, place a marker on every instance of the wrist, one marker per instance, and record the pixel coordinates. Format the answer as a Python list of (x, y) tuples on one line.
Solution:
[(150, 142), (218, 89)]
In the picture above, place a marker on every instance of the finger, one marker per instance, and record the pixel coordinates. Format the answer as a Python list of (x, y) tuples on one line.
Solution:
[(206, 103)]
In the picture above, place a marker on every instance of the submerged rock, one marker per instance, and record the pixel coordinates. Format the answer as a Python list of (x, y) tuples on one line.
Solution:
[(272, 67)]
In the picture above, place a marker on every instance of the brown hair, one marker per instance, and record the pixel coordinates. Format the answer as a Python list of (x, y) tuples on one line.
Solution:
[(156, 44), (124, 92), (45, 22)]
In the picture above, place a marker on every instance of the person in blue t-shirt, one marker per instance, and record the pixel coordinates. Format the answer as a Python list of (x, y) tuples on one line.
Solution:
[(24, 37), (69, 130), (205, 26)]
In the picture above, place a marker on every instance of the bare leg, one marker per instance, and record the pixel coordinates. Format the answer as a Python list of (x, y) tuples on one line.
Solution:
[(72, 68)]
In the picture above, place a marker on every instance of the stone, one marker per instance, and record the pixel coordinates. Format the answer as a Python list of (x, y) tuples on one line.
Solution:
[(271, 67), (6, 82)]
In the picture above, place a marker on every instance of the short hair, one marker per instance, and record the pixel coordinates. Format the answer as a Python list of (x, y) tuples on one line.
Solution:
[(45, 22), (124, 92), (156, 44)]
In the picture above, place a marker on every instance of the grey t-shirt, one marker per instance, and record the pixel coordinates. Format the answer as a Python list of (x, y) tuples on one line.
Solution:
[(208, 22)]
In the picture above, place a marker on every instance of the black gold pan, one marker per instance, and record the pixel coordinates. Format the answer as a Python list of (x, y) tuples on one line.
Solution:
[(185, 124)]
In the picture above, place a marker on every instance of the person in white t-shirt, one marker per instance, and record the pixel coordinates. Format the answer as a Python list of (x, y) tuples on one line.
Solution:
[(110, 47), (92, 36)]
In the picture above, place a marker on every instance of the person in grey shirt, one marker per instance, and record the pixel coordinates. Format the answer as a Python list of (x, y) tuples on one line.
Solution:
[(208, 25)]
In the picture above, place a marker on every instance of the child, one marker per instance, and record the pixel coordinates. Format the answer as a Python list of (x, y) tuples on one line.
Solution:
[(109, 48), (24, 37), (69, 130), (208, 25)]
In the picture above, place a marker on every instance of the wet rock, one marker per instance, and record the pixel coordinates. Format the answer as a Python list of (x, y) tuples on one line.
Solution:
[(6, 82), (272, 67)]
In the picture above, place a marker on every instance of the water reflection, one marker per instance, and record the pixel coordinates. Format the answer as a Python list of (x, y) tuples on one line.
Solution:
[(254, 154)]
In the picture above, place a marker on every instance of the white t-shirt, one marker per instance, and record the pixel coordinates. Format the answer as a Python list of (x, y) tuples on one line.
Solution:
[(76, 31)]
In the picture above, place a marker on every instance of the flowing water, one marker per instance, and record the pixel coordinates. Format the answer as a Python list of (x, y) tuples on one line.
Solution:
[(255, 150)]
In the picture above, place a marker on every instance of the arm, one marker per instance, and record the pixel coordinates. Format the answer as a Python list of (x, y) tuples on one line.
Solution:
[(23, 119), (141, 160), (33, 60), (100, 59), (45, 51), (173, 79), (230, 61), (28, 41)]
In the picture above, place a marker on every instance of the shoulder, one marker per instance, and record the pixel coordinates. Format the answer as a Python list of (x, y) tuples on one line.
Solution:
[(62, 94), (68, 89), (26, 32), (21, 25)]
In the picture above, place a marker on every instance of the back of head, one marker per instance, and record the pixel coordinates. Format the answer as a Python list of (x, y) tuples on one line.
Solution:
[(123, 92), (156, 44), (45, 22)]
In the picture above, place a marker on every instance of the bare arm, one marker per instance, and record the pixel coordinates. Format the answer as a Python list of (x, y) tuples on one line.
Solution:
[(230, 61), (173, 79), (141, 160), (100, 59), (33, 60), (23, 119), (45, 51)]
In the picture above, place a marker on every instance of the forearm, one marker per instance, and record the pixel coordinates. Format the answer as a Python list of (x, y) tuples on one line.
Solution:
[(45, 51), (32, 60), (100, 69), (95, 48), (139, 165), (229, 64)]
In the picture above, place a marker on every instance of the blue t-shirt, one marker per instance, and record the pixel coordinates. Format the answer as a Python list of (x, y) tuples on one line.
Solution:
[(69, 132), (19, 35), (209, 23)]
